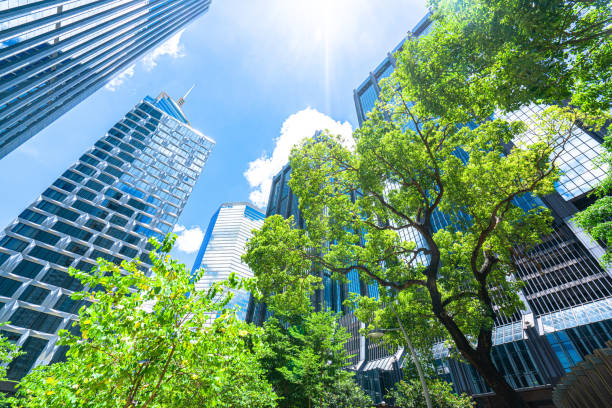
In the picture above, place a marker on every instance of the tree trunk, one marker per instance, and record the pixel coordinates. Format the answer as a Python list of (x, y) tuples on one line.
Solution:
[(505, 395)]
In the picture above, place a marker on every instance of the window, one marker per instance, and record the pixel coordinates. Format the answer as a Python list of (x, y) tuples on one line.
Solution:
[(94, 225), (71, 175), (13, 243), (121, 209), (36, 234), (115, 172), (32, 348), (53, 257), (128, 252), (103, 242), (76, 248), (64, 185), (89, 160), (32, 216), (31, 319), (105, 178), (117, 220), (94, 185), (86, 194), (143, 218), (62, 279), (61, 226), (85, 266), (8, 286), (89, 209), (27, 268), (132, 239), (53, 194), (57, 210), (34, 294), (68, 305), (85, 169)]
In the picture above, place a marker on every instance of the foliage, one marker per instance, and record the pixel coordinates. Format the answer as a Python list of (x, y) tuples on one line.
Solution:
[(360, 207), (484, 55), (409, 395), (306, 360), (597, 219), (345, 394), (148, 342), (8, 352)]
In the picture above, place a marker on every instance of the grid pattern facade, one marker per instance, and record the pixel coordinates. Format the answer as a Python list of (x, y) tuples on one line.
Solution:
[(579, 174), (568, 295), (55, 53), (223, 245), (131, 185)]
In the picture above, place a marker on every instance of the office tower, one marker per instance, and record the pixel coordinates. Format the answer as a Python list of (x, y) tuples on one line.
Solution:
[(55, 53), (130, 185), (224, 243), (568, 295)]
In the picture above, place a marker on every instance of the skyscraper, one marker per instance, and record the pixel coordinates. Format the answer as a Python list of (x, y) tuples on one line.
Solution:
[(224, 243), (130, 185), (55, 53), (568, 295)]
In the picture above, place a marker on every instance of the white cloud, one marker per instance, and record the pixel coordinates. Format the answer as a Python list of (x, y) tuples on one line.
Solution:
[(188, 240), (172, 47), (116, 82), (296, 127)]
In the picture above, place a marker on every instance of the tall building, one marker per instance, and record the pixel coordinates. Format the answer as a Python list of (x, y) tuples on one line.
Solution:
[(224, 243), (55, 53), (130, 185), (568, 295)]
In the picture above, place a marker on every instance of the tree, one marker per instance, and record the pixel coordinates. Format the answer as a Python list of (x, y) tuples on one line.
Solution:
[(407, 167), (597, 219), (306, 360), (485, 55), (345, 394), (148, 342), (407, 394)]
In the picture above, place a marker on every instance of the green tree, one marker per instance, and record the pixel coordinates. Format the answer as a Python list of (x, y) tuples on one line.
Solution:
[(345, 393), (407, 394), (485, 55), (149, 342), (406, 167), (306, 361), (597, 219)]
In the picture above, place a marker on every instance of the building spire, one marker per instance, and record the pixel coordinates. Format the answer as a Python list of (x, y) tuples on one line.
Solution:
[(181, 100)]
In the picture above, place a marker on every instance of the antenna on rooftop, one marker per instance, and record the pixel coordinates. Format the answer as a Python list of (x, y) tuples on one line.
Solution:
[(181, 100)]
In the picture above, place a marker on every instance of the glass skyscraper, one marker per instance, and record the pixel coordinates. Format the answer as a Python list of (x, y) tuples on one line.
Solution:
[(568, 295), (224, 243), (55, 53), (130, 185)]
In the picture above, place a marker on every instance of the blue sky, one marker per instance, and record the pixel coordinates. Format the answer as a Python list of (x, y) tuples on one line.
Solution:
[(267, 73)]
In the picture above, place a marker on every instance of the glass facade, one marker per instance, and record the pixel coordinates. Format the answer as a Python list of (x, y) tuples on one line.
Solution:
[(130, 185), (567, 293), (55, 53), (228, 231)]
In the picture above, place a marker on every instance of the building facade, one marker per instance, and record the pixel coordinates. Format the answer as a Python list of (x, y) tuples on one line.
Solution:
[(132, 184), (567, 294), (224, 243), (55, 53)]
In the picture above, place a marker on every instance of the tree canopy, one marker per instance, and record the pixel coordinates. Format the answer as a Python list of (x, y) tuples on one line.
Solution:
[(407, 170), (148, 341)]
